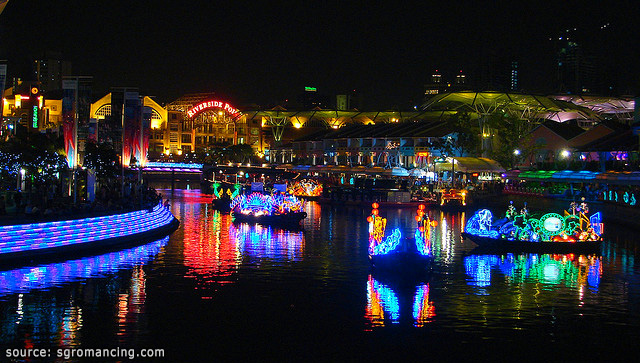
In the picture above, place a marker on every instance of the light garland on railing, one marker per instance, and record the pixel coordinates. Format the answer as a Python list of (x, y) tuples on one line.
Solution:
[(38, 236)]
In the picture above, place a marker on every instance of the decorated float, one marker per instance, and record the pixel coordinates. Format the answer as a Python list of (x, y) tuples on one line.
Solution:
[(453, 198), (305, 188), (573, 231), (395, 253), (223, 194), (276, 209)]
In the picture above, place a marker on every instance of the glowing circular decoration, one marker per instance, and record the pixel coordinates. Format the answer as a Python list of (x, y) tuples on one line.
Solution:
[(552, 223), (34, 90)]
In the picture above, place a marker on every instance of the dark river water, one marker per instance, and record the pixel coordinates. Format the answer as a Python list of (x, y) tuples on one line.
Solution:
[(217, 291)]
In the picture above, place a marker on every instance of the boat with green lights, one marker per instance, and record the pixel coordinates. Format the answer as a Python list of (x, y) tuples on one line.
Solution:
[(573, 231), (223, 194)]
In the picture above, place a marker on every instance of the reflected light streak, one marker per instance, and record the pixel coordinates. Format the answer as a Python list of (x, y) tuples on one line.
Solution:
[(25, 279), (570, 270)]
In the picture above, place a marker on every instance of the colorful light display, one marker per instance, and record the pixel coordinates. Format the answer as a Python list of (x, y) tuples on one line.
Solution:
[(206, 105), (38, 236), (383, 305), (377, 227), (219, 191), (258, 204), (422, 234), (264, 241), (305, 188), (570, 270), (549, 227), (25, 279)]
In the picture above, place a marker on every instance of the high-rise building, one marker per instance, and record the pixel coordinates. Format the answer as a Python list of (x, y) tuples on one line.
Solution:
[(576, 68), (50, 69), (436, 86), (514, 76)]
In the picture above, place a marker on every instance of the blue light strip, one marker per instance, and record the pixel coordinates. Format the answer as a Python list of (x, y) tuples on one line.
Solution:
[(25, 279), (173, 165), (37, 236)]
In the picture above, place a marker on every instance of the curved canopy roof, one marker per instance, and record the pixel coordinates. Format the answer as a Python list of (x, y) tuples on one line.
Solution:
[(516, 104)]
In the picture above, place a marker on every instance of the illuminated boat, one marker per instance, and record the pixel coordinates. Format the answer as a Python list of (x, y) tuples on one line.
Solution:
[(63, 238), (306, 188), (223, 194), (277, 209), (453, 198), (538, 233), (392, 252)]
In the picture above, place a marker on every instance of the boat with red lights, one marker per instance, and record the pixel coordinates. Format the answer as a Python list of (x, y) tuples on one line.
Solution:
[(395, 253), (275, 209), (574, 231)]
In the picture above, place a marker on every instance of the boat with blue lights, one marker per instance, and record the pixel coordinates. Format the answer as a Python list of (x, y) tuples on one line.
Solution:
[(76, 236), (395, 253), (268, 209), (574, 231)]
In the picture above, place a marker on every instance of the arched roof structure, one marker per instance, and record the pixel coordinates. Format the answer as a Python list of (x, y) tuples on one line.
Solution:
[(616, 107), (526, 106)]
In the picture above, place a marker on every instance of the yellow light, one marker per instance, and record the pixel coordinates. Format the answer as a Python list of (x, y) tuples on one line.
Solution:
[(180, 152), (297, 126), (166, 152)]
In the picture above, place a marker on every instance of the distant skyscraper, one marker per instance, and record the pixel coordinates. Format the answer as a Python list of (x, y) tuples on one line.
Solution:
[(50, 69), (514, 76), (576, 69), (436, 86)]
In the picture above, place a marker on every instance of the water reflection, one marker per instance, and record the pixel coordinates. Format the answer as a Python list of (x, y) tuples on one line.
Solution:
[(266, 242), (569, 270), (209, 254), (387, 304), (35, 312), (25, 279)]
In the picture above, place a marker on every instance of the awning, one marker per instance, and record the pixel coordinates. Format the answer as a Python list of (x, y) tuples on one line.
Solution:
[(471, 165)]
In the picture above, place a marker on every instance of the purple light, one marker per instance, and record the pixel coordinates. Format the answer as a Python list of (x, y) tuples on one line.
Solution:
[(35, 236), (25, 279)]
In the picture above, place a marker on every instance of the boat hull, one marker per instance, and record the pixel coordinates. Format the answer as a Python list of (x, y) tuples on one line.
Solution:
[(222, 205), (401, 262), (488, 244), (289, 219)]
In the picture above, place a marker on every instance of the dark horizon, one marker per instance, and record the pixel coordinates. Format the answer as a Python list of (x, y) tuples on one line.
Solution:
[(264, 54)]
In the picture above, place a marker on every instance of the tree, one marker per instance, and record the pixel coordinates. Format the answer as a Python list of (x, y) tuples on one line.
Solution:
[(103, 159), (41, 156), (241, 152), (464, 138), (512, 134)]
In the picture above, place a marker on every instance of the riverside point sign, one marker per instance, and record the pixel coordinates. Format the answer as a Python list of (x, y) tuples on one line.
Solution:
[(206, 105)]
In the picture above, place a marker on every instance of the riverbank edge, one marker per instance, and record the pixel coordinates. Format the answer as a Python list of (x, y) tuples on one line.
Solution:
[(85, 249)]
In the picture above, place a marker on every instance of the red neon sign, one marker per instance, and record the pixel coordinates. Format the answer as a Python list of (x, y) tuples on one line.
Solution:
[(212, 104)]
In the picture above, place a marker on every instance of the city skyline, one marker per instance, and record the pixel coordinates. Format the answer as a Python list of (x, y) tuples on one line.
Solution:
[(265, 54)]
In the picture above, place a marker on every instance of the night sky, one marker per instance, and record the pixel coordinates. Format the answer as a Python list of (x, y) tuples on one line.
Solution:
[(252, 52)]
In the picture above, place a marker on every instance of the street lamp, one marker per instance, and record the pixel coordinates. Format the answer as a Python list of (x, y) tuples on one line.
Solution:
[(516, 153), (565, 154)]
